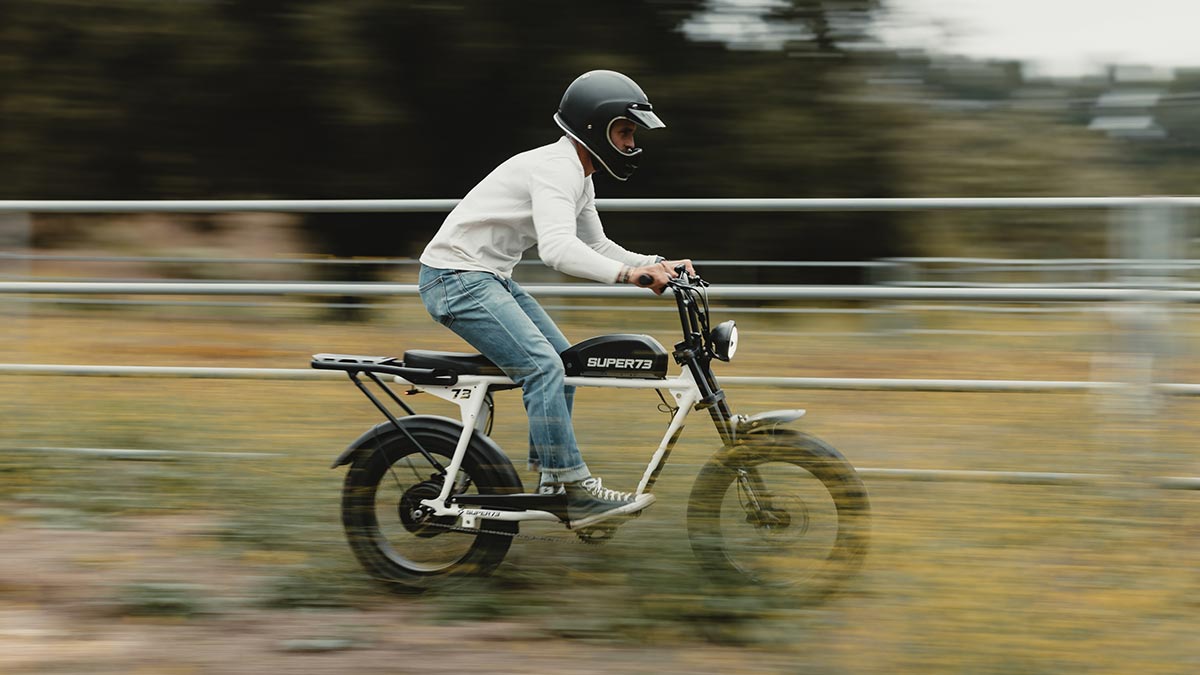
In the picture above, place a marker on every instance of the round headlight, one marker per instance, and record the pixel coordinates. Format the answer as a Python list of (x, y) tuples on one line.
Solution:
[(724, 340)]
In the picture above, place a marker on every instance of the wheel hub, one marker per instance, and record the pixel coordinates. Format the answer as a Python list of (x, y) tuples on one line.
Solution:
[(418, 518), (776, 520)]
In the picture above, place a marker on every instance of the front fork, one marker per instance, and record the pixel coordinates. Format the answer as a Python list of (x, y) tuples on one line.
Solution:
[(760, 511), (710, 395)]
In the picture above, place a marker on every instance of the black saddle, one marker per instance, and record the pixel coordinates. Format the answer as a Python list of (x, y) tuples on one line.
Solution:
[(463, 363)]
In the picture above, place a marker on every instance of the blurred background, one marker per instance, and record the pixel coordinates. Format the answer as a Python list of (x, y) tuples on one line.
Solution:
[(191, 525), (764, 98)]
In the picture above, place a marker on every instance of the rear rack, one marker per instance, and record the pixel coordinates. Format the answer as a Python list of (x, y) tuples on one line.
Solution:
[(353, 363)]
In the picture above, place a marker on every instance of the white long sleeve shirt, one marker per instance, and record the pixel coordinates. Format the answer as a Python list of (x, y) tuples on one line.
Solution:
[(537, 197)]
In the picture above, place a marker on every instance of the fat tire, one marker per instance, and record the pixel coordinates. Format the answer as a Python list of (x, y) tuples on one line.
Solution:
[(827, 465), (359, 517)]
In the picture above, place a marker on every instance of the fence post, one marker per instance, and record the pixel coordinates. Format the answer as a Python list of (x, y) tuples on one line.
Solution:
[(1147, 238), (16, 240)]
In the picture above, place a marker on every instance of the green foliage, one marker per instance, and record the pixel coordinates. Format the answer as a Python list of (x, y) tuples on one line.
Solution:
[(375, 99)]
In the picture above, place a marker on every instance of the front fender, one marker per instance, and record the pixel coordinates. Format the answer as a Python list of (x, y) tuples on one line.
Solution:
[(480, 445), (765, 421)]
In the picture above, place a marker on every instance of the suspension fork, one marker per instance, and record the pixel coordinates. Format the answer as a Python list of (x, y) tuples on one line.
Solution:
[(722, 418), (712, 397), (692, 353), (751, 482)]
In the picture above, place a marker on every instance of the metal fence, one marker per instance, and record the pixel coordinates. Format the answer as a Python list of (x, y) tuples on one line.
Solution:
[(1148, 233)]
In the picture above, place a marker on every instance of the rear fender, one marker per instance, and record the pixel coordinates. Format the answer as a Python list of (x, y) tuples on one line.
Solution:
[(481, 446)]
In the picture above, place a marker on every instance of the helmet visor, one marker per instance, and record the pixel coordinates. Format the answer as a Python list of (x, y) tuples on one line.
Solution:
[(645, 118)]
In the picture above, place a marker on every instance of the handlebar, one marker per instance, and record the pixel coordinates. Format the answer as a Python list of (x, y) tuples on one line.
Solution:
[(681, 279)]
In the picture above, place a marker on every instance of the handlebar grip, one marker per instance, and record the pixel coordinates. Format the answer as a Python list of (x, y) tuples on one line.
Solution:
[(645, 280)]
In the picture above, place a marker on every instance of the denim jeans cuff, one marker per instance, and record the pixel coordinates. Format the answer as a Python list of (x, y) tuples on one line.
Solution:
[(551, 476)]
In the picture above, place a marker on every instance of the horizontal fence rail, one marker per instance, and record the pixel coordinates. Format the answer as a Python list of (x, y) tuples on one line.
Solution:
[(1025, 477), (614, 205), (410, 262), (1016, 293)]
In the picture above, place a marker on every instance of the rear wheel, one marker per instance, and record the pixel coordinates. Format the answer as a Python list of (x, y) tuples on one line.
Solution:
[(394, 537), (780, 510)]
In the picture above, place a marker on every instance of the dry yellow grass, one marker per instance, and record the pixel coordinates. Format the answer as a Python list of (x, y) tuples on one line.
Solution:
[(961, 578)]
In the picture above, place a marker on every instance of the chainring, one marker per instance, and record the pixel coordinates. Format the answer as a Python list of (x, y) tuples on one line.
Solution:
[(597, 534)]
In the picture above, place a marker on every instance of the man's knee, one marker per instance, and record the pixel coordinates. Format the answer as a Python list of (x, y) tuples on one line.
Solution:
[(545, 366), (552, 370)]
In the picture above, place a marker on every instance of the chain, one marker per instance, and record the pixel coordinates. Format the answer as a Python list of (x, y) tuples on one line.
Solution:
[(513, 535)]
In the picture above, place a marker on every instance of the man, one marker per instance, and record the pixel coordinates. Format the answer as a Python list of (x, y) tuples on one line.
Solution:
[(545, 197)]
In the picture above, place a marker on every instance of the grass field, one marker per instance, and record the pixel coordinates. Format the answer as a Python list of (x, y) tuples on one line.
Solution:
[(961, 577)]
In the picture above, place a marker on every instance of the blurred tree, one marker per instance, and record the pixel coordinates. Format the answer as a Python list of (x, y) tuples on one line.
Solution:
[(831, 25), (1003, 153), (367, 98), (379, 98)]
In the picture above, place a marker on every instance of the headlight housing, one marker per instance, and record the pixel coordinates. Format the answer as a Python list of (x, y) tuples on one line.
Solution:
[(724, 340)]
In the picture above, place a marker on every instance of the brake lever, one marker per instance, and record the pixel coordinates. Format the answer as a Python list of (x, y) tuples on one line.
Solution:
[(682, 279), (688, 279)]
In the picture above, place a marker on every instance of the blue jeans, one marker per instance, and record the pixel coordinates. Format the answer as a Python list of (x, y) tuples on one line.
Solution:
[(498, 318)]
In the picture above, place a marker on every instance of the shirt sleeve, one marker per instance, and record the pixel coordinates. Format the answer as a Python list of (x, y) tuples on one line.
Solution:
[(591, 232), (554, 190)]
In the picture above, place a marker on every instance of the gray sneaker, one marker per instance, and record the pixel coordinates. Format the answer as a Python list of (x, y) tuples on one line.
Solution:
[(588, 501)]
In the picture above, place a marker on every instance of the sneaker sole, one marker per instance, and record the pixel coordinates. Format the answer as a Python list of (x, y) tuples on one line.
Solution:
[(635, 506)]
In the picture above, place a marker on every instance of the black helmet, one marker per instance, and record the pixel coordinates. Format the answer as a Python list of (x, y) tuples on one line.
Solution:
[(589, 107)]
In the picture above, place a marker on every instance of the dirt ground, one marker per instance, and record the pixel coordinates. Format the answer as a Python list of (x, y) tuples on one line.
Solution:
[(962, 577), (69, 604)]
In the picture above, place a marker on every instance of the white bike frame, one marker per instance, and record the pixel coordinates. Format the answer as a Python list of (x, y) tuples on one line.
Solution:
[(470, 394), (695, 387)]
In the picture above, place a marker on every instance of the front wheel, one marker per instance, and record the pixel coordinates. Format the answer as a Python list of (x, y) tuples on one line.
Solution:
[(780, 509), (385, 524)]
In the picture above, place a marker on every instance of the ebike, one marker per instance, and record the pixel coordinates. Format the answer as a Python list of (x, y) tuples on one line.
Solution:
[(430, 499)]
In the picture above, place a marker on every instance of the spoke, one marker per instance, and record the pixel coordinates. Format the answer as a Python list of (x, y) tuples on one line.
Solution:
[(391, 468), (408, 460)]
